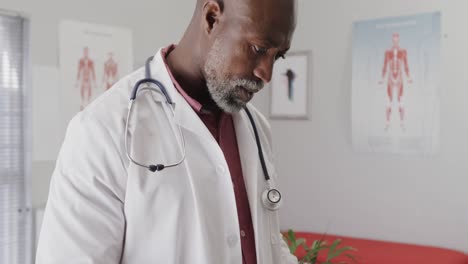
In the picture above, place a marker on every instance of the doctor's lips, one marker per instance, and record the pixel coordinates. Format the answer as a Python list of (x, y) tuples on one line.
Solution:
[(248, 89), (249, 86), (245, 94)]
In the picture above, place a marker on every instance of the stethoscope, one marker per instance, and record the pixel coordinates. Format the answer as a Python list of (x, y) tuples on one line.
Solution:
[(271, 197)]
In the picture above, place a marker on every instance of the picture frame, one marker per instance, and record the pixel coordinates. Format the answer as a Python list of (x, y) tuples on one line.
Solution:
[(289, 95)]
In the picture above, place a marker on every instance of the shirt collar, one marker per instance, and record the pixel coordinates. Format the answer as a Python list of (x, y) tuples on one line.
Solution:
[(191, 101)]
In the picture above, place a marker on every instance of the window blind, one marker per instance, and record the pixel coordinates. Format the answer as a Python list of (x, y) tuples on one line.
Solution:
[(15, 147)]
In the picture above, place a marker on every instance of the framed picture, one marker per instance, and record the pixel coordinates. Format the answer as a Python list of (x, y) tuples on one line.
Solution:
[(289, 85)]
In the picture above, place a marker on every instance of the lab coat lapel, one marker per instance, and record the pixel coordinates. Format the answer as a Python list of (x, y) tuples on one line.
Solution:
[(185, 116), (248, 153), (188, 119)]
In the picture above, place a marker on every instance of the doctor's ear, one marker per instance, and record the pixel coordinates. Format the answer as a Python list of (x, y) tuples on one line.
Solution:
[(212, 13)]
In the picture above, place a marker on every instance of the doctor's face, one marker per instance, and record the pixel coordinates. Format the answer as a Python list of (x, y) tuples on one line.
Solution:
[(241, 58)]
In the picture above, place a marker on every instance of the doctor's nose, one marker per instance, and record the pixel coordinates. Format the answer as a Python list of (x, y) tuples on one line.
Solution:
[(264, 70)]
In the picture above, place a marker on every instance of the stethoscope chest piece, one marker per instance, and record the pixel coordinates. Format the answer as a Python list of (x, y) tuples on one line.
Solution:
[(271, 199)]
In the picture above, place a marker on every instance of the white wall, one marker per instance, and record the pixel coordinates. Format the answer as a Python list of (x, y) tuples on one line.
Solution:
[(154, 24), (328, 187)]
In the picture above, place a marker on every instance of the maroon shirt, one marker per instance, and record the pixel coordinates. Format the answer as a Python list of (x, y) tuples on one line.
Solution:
[(222, 128)]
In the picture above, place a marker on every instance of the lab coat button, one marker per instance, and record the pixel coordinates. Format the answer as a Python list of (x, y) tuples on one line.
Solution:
[(220, 169), (232, 241)]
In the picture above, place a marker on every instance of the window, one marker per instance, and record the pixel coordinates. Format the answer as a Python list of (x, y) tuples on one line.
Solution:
[(15, 131)]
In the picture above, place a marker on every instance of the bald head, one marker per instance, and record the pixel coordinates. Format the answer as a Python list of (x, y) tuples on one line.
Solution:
[(279, 15), (250, 9)]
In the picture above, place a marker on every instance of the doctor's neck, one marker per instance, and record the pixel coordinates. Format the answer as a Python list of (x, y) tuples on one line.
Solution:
[(186, 69), (187, 60)]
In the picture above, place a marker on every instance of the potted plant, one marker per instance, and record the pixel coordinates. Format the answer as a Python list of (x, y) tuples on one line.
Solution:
[(333, 250)]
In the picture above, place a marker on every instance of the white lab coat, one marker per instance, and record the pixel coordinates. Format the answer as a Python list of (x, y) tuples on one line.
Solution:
[(104, 209)]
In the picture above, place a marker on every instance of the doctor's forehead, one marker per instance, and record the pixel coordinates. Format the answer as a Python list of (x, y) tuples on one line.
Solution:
[(271, 19), (262, 10)]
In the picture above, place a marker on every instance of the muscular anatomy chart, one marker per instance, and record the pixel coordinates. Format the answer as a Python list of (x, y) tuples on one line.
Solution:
[(86, 78), (92, 58), (396, 61), (395, 84), (111, 73)]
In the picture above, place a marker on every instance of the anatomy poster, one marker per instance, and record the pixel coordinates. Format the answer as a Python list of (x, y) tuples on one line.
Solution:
[(396, 84), (92, 58)]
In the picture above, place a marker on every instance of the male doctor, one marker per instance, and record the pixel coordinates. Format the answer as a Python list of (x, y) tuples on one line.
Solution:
[(103, 208)]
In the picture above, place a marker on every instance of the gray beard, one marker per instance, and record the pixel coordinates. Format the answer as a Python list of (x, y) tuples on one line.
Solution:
[(223, 90)]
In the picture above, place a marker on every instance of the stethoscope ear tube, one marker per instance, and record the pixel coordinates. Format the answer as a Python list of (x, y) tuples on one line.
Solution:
[(151, 167), (153, 81), (259, 145)]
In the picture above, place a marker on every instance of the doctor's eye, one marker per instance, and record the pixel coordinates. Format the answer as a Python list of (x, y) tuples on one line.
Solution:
[(282, 56), (259, 50)]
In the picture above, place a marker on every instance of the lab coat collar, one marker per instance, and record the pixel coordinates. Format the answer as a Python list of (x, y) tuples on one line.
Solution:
[(185, 116)]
